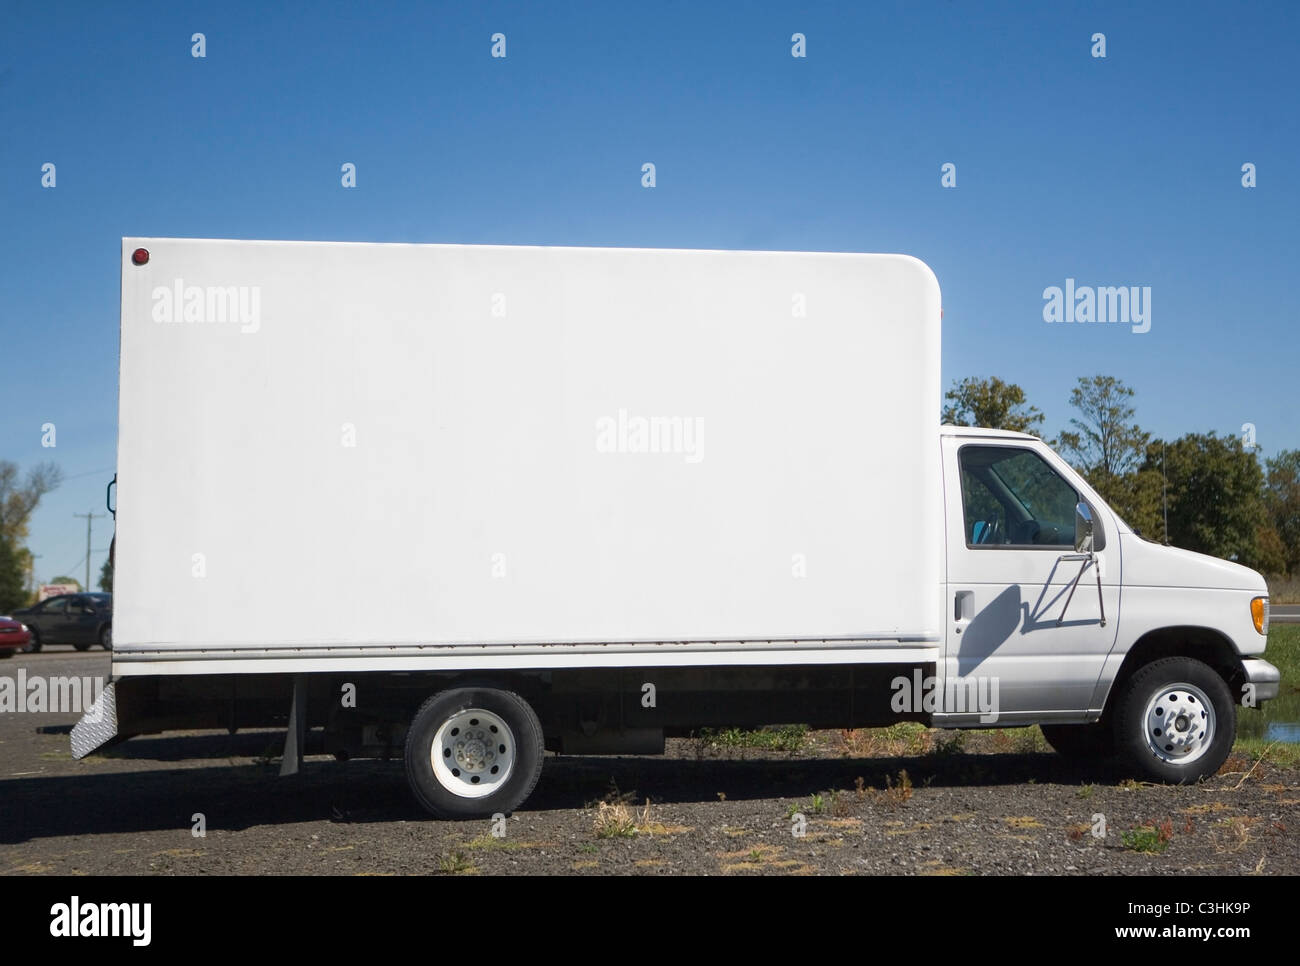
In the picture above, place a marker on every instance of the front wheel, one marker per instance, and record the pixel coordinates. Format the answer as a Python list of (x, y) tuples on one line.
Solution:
[(1175, 721), (106, 637), (34, 644), (474, 752)]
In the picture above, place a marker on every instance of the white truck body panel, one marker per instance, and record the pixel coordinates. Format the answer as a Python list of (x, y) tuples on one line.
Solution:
[(465, 424)]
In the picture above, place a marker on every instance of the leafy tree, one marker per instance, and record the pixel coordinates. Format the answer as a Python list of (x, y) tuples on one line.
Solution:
[(1282, 498), (106, 577), (18, 498), (1138, 497), (68, 580), (990, 403), (1105, 444), (1272, 554), (13, 594), (1216, 501)]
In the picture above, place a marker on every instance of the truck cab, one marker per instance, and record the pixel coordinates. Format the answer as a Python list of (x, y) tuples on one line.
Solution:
[(1106, 639)]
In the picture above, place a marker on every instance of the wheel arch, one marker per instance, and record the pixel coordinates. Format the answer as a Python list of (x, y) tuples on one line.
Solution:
[(1204, 644)]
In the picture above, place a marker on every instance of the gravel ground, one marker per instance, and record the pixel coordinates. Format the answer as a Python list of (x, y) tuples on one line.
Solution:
[(990, 804)]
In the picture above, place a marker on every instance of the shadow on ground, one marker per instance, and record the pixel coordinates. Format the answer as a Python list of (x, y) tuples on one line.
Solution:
[(248, 793)]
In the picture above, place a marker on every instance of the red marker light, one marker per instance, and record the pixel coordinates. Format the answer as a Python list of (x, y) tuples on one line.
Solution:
[(140, 256)]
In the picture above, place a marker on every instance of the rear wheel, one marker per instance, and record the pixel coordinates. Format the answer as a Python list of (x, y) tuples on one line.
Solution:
[(1175, 721), (7, 652), (106, 637), (1086, 742), (474, 752)]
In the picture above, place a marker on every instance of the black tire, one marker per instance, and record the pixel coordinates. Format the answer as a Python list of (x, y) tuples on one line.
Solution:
[(35, 646), (81, 646), (1161, 679), (106, 637), (1081, 742), (524, 730), (6, 652)]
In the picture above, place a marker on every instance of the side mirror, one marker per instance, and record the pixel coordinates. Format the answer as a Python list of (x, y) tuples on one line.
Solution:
[(1082, 528)]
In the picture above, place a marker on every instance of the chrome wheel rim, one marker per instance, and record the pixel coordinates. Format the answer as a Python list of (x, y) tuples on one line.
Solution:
[(1179, 723), (473, 753)]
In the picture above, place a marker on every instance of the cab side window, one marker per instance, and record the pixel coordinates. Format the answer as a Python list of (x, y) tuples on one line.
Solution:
[(1011, 497), (985, 518)]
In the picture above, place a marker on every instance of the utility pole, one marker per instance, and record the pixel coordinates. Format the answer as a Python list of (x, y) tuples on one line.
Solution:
[(85, 588), (1164, 491), (31, 571)]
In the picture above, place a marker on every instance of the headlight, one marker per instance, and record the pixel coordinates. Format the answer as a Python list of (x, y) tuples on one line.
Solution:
[(1259, 613)]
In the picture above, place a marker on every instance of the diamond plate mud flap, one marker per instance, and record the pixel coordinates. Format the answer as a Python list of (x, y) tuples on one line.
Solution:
[(98, 726)]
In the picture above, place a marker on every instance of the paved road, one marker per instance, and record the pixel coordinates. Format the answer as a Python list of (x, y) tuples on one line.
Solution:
[(1284, 614)]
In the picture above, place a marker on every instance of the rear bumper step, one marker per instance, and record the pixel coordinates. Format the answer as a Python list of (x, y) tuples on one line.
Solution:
[(98, 725)]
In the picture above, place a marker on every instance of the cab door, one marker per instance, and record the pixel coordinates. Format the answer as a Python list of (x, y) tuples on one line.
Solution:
[(1011, 564)]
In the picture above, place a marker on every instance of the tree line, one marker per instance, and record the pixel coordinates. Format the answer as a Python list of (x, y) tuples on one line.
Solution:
[(1202, 491), (19, 496)]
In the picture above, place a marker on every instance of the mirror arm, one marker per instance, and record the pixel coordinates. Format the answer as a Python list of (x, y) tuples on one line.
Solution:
[(1089, 560)]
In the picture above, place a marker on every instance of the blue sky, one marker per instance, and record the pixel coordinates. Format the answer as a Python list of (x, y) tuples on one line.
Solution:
[(1117, 171)]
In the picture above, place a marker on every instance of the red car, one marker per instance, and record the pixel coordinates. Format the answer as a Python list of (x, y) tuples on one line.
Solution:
[(14, 636)]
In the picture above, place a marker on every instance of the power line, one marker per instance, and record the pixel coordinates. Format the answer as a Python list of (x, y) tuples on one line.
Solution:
[(67, 571), (77, 476)]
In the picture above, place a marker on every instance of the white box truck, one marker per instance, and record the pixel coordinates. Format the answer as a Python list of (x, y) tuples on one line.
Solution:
[(467, 504)]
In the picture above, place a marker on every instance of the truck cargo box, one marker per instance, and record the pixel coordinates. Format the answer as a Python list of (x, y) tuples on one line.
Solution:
[(385, 454)]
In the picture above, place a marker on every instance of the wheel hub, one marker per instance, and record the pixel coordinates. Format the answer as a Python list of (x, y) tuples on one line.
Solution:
[(1179, 723), (473, 753)]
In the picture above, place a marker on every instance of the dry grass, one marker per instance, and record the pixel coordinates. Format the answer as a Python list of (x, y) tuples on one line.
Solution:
[(456, 863), (1231, 834), (1077, 831), (905, 739), (1234, 764), (1022, 821), (899, 794), (858, 743), (841, 804), (764, 858), (615, 820), (1284, 590)]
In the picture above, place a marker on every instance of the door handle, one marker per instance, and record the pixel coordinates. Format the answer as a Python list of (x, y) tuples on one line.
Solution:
[(963, 606)]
